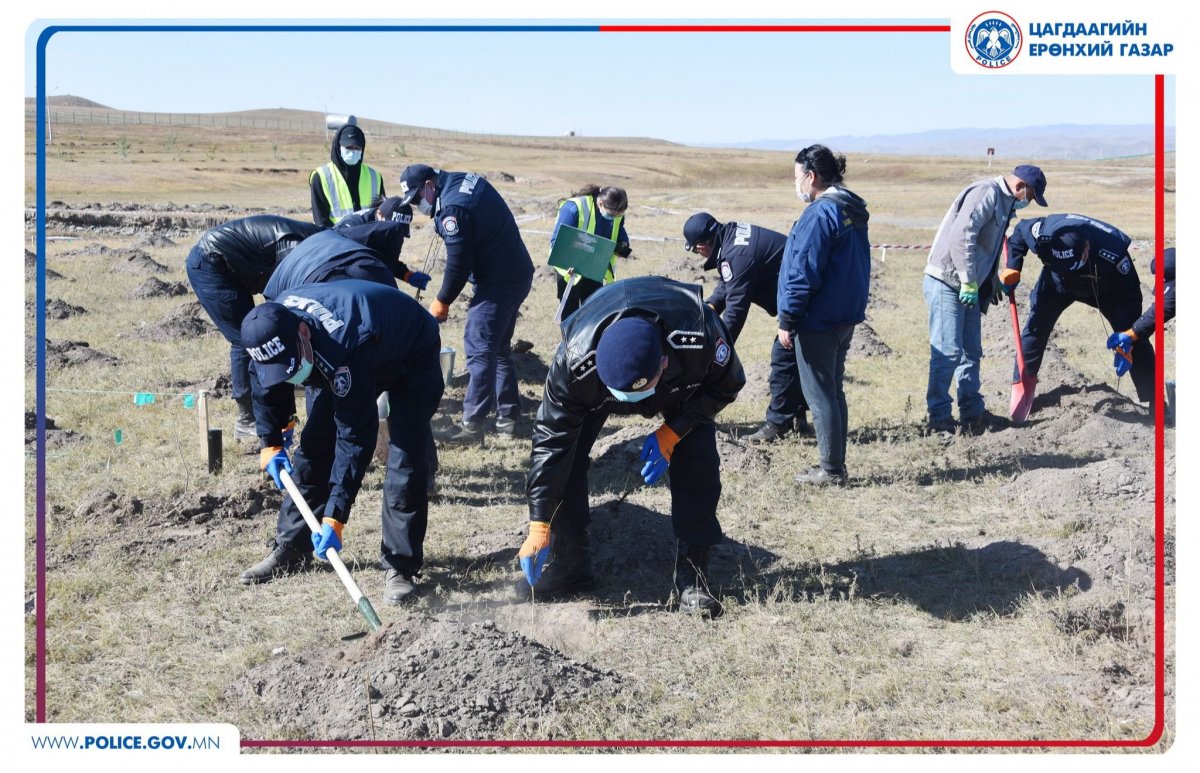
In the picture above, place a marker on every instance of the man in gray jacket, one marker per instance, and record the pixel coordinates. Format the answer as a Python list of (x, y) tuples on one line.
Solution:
[(961, 280)]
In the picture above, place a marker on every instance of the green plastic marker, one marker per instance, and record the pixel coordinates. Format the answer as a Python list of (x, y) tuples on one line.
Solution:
[(117, 437), (143, 398), (189, 400)]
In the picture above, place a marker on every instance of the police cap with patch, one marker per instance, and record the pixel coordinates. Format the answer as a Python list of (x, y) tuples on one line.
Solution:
[(698, 229), (629, 354), (411, 180), (271, 335), (393, 208)]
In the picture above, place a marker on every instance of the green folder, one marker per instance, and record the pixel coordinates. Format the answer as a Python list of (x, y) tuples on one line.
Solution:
[(587, 253)]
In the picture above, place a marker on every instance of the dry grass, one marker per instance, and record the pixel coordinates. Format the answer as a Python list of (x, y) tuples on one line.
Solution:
[(801, 654)]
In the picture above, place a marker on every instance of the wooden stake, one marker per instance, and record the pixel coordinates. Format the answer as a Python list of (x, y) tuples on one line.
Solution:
[(202, 418)]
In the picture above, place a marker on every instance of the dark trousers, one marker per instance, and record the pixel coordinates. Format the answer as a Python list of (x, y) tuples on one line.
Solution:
[(1046, 305), (694, 477), (370, 270), (787, 396), (405, 493), (227, 302), (487, 342), (581, 290), (821, 358)]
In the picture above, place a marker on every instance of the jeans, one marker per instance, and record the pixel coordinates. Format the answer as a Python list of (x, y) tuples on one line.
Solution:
[(821, 358), (227, 302), (955, 351)]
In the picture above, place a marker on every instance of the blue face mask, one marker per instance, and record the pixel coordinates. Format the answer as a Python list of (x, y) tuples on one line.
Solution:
[(351, 157), (604, 214), (632, 397), (1021, 204), (302, 374)]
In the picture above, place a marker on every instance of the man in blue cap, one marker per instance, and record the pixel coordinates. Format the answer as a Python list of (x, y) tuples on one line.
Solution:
[(1085, 260), (483, 246), (961, 281), (747, 258), (347, 341), (646, 346)]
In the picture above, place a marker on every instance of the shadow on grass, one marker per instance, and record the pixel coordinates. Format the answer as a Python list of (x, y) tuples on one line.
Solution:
[(948, 582)]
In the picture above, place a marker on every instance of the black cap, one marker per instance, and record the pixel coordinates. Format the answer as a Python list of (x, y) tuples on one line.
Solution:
[(1067, 250), (352, 135), (393, 208), (411, 180), (271, 335), (699, 228)]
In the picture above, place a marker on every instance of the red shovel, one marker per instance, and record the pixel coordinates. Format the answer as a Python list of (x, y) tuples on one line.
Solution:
[(1021, 401)]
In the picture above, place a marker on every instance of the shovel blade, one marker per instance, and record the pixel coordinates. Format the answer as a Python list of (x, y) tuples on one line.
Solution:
[(1021, 401)]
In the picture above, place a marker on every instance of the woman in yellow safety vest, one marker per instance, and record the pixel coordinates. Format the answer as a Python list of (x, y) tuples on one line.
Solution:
[(344, 185), (599, 211)]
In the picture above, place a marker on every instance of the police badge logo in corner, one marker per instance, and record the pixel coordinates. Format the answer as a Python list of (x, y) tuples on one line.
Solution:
[(341, 381), (722, 352), (993, 39)]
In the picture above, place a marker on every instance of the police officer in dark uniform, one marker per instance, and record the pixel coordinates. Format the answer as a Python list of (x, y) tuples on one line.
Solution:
[(747, 258), (229, 265), (1122, 342), (347, 341), (645, 345), (1084, 260), (483, 246)]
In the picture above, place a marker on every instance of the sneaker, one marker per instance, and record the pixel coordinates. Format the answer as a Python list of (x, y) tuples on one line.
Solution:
[(819, 476), (506, 427), (769, 432), (464, 435), (944, 426), (397, 586), (281, 561)]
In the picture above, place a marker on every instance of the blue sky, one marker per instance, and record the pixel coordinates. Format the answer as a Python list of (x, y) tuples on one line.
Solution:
[(685, 87)]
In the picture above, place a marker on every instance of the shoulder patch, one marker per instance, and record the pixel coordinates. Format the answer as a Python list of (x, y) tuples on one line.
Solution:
[(726, 271), (1125, 266), (722, 352), (686, 339), (341, 381), (584, 367), (450, 225)]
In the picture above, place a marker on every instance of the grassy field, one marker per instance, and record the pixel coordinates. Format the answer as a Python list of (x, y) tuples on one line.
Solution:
[(876, 612)]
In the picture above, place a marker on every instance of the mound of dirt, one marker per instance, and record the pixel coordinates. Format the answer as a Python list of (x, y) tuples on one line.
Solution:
[(187, 320), (155, 288), (138, 262), (422, 679), (30, 259), (55, 437), (67, 354), (684, 268), (866, 343), (1074, 489), (151, 240), (218, 387), (55, 309)]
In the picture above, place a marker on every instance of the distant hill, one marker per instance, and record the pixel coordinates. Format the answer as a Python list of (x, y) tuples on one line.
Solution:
[(1063, 141), (67, 100)]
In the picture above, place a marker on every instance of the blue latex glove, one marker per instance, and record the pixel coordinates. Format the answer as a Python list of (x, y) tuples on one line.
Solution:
[(656, 455), (330, 536), (535, 551), (273, 459), (1122, 346), (968, 294), (418, 279)]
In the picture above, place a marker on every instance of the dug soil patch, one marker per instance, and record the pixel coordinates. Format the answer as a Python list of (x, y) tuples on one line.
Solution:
[(185, 321), (421, 679), (55, 309), (55, 436), (67, 354), (867, 343), (157, 288), (138, 262)]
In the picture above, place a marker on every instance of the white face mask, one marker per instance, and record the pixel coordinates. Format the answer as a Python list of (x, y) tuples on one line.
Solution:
[(351, 157), (800, 194), (424, 207)]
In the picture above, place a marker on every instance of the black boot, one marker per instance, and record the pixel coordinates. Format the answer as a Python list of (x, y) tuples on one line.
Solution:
[(397, 586), (691, 581), (769, 432), (283, 560), (245, 428), (570, 567)]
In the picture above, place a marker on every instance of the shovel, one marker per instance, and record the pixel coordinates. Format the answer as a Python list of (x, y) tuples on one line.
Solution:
[(1021, 401), (362, 602)]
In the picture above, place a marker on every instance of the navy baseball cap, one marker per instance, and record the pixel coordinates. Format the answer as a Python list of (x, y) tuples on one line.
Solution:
[(411, 180), (1067, 250), (699, 228), (629, 354), (271, 335), (393, 208), (1033, 177), (352, 135)]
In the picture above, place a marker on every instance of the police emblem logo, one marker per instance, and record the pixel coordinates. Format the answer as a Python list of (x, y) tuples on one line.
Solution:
[(450, 225), (722, 352), (341, 381), (1125, 266), (993, 39), (726, 271)]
